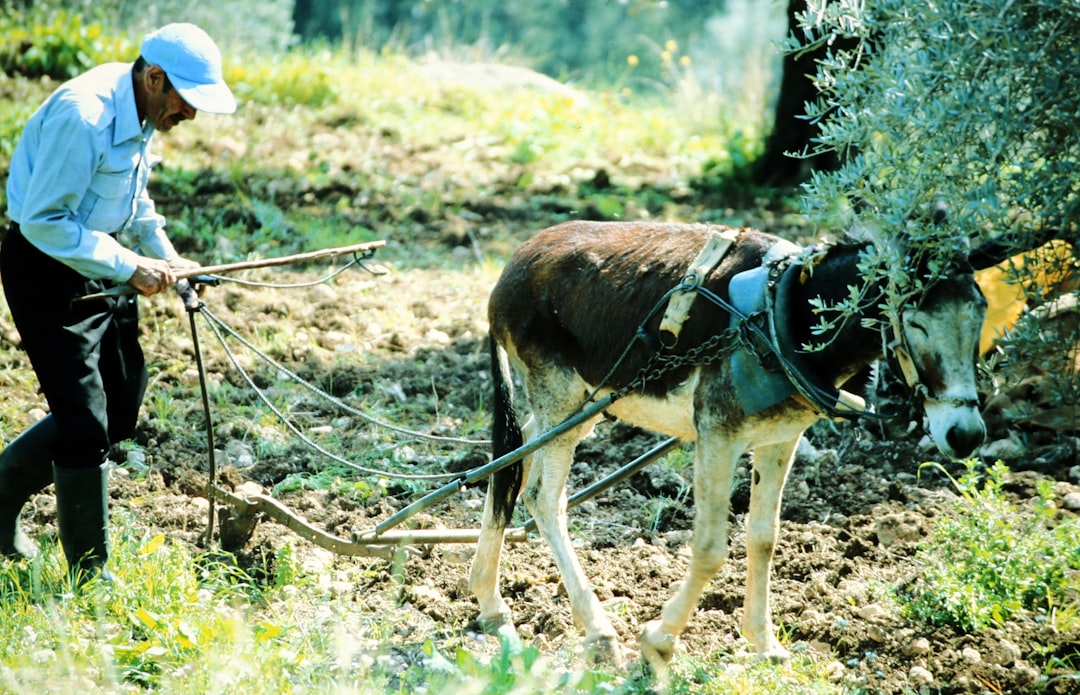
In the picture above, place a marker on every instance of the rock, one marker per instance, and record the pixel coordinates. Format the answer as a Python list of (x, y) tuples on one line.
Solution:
[(920, 646), (1071, 501), (971, 655), (872, 613), (1024, 674), (438, 337), (817, 587), (834, 671), (896, 529), (853, 591), (813, 619), (1006, 653), (1004, 449), (918, 675), (239, 454)]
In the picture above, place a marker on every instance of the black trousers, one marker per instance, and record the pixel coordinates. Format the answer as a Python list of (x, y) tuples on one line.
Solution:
[(86, 354)]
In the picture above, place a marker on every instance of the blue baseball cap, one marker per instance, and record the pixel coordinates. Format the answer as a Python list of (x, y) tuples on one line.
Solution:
[(192, 61)]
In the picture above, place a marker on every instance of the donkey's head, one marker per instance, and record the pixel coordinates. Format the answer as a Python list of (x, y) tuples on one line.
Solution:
[(936, 346), (937, 315)]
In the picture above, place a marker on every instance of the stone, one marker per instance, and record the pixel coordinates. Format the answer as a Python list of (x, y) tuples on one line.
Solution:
[(920, 646), (918, 675)]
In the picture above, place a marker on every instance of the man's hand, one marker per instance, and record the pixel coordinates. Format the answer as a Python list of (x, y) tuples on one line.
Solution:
[(152, 276), (181, 263)]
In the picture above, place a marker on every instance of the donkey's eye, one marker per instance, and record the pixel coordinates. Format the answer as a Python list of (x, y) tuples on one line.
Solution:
[(918, 327)]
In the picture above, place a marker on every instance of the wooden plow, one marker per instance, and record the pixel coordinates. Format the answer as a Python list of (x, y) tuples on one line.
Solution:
[(242, 513)]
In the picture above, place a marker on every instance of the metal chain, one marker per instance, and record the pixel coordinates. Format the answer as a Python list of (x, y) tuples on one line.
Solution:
[(660, 363)]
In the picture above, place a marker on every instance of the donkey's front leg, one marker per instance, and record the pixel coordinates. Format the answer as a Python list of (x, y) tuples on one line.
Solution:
[(714, 465), (771, 465)]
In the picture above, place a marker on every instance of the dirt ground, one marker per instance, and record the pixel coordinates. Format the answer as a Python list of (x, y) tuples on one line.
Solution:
[(853, 511)]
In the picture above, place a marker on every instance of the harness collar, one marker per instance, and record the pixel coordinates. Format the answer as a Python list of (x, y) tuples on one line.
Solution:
[(678, 308), (783, 277)]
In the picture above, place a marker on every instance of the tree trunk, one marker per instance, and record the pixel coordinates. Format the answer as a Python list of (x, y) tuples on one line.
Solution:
[(791, 132)]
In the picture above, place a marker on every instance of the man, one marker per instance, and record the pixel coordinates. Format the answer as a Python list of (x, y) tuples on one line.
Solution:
[(77, 199)]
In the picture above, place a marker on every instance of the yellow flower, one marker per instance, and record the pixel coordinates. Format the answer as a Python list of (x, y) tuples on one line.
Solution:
[(684, 60), (632, 60), (666, 57), (671, 46)]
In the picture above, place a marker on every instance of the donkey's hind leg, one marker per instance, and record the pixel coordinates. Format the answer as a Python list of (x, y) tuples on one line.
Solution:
[(495, 615), (545, 497)]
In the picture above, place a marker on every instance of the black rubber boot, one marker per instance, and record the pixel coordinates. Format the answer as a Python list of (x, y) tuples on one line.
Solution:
[(25, 469), (82, 515)]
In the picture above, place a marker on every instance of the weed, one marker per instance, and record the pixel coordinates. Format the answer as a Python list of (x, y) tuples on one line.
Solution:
[(987, 560)]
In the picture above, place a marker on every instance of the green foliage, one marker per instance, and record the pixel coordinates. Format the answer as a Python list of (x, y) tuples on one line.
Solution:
[(580, 41), (968, 102), (60, 44), (958, 101), (304, 78), (986, 560)]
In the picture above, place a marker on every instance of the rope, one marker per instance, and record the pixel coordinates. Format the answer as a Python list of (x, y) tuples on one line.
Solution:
[(334, 399), (218, 326)]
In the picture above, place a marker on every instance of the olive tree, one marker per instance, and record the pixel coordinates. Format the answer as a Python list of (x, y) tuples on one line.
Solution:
[(972, 102)]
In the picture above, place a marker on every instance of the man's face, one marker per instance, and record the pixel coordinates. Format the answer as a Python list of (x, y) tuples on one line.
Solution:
[(165, 107)]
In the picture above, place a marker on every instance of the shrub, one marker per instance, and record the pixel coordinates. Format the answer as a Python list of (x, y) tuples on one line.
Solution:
[(986, 560), (959, 101), (58, 44)]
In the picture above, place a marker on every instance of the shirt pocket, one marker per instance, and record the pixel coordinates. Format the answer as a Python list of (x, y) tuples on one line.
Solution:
[(108, 203)]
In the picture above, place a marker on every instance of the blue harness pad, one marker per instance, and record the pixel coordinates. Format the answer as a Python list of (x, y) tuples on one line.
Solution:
[(756, 386)]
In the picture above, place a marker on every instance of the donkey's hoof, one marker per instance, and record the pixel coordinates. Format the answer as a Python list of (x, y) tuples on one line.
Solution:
[(604, 650), (498, 623), (508, 635), (657, 646), (768, 649), (775, 653)]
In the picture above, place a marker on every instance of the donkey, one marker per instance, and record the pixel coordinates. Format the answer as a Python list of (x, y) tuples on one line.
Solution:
[(575, 313)]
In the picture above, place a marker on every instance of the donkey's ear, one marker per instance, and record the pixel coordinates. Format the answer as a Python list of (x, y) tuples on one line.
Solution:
[(997, 250)]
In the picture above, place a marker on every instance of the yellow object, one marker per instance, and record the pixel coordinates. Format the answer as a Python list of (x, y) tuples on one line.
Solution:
[(1007, 291)]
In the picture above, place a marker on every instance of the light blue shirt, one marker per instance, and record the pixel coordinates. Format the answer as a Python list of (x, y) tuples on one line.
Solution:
[(78, 177)]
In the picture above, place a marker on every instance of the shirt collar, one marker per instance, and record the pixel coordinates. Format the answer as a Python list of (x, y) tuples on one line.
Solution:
[(127, 114)]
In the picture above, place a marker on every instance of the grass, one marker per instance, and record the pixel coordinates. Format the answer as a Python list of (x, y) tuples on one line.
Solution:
[(180, 621)]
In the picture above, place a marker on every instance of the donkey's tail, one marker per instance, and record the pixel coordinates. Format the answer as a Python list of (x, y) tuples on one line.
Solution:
[(505, 437)]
